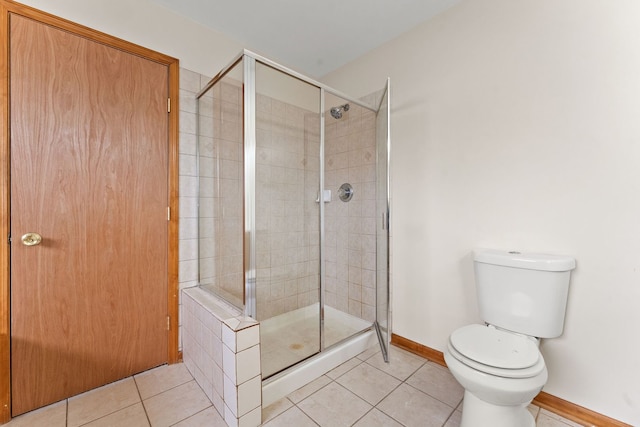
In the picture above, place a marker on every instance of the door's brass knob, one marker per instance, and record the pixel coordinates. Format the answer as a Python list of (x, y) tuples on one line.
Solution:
[(31, 239)]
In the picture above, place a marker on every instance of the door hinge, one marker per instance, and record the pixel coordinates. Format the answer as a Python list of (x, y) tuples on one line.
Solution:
[(168, 323), (168, 105), (9, 239), (168, 213)]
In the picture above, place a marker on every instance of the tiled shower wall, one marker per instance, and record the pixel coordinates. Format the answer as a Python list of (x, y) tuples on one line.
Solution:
[(350, 227), (221, 190), (287, 215), (190, 84)]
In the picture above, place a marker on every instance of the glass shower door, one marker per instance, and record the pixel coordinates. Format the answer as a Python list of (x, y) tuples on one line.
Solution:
[(383, 146), (287, 218)]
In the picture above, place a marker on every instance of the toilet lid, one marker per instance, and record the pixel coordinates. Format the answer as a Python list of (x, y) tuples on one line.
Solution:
[(494, 347)]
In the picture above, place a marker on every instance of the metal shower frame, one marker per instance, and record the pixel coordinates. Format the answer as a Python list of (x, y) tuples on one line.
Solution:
[(249, 60)]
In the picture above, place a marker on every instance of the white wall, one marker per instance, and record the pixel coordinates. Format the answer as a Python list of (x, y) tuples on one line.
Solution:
[(146, 23), (516, 125)]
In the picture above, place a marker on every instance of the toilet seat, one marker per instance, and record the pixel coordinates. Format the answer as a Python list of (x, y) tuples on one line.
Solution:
[(496, 352)]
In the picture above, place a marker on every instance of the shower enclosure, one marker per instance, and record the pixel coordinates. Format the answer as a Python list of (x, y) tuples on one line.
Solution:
[(294, 207)]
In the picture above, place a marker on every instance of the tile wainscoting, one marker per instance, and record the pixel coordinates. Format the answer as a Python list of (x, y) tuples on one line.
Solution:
[(221, 349)]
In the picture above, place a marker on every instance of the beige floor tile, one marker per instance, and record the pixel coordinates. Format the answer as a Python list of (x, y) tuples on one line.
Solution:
[(132, 416), (369, 352), (307, 390), (50, 416), (175, 405), (412, 407), (207, 418), (334, 406), (454, 420), (344, 368), (376, 418), (549, 419), (275, 409), (401, 363), (291, 417), (102, 401), (162, 378), (369, 383), (437, 381)]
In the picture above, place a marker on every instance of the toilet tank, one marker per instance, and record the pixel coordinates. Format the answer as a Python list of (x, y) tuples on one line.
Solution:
[(523, 292)]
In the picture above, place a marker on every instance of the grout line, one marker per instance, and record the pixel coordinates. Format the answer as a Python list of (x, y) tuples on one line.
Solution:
[(193, 415), (433, 397), (301, 410), (177, 385), (364, 415), (171, 388), (144, 408), (449, 417), (111, 413)]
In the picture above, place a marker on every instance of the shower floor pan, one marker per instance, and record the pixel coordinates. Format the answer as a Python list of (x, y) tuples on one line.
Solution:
[(294, 336)]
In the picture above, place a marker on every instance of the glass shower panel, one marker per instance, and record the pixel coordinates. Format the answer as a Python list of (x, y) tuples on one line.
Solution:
[(287, 224), (220, 194), (383, 147), (350, 244)]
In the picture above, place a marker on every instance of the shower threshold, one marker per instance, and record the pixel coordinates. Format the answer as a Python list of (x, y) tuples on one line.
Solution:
[(283, 383)]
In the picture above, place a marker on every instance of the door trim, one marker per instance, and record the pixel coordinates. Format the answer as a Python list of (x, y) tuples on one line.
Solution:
[(8, 7)]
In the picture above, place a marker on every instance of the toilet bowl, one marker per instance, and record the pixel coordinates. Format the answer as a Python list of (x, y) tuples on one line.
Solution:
[(522, 298), (501, 373)]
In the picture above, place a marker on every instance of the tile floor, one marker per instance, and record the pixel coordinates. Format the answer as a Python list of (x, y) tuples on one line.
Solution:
[(364, 391)]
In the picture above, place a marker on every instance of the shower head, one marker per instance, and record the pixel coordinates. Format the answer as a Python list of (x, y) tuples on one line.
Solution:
[(336, 112)]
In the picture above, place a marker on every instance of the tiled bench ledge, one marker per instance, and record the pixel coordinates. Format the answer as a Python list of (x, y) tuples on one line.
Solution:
[(221, 348)]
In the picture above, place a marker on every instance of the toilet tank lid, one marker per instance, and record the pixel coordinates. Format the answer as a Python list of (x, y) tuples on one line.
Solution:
[(530, 261)]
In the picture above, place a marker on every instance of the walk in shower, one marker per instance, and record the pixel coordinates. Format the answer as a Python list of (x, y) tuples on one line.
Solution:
[(294, 207)]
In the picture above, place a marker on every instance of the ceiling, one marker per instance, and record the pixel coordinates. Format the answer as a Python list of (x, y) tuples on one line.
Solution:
[(311, 36)]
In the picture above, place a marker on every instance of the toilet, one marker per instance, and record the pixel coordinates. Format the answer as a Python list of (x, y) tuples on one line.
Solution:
[(522, 297)]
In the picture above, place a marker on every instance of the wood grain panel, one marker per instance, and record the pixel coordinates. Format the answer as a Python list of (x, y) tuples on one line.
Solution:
[(89, 172), (10, 7), (564, 408)]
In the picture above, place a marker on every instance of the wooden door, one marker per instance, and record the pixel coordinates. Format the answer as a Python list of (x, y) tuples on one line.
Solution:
[(89, 149)]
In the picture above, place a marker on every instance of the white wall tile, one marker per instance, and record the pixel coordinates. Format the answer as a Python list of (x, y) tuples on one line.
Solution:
[(230, 397), (248, 337), (188, 186), (218, 380), (187, 165), (189, 80), (252, 419), (229, 364), (187, 270), (229, 337), (188, 123), (188, 249), (249, 395), (247, 364)]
